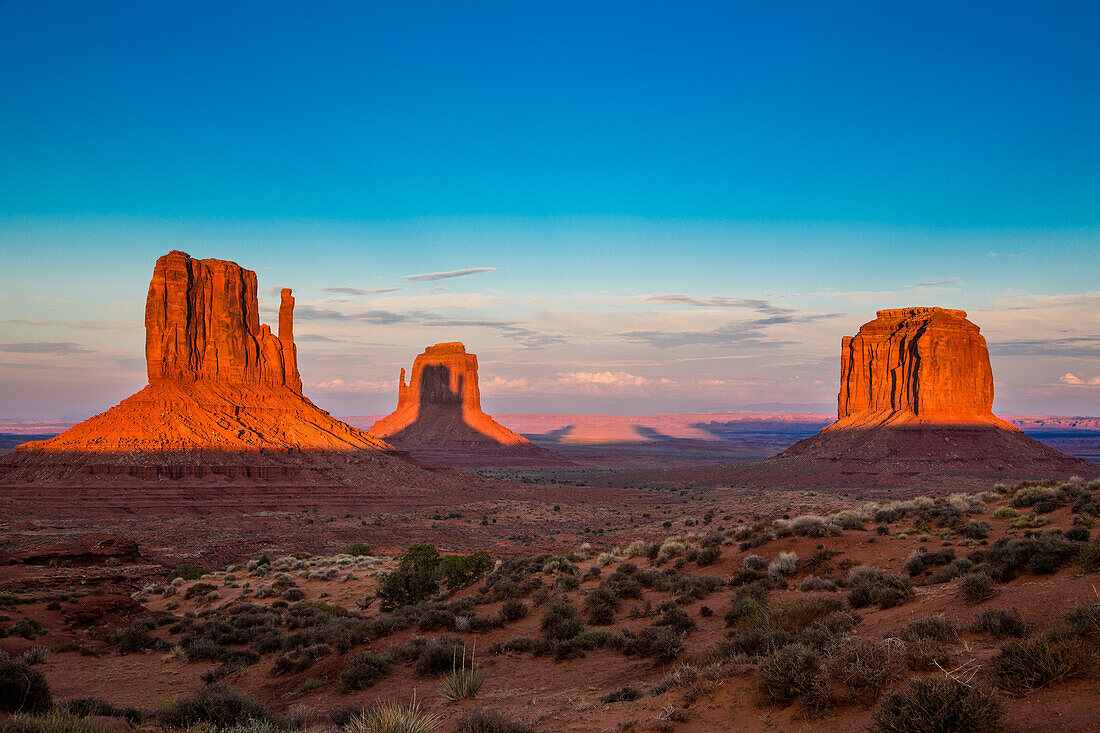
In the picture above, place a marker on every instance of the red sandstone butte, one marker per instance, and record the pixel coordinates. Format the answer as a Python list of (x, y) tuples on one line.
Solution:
[(914, 409), (916, 365), (439, 415), (224, 399)]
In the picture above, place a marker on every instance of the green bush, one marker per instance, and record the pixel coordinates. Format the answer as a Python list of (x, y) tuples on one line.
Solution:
[(940, 704), (188, 571), (1088, 557), (1084, 619), (459, 571), (413, 580), (513, 610), (359, 549), (870, 586), (22, 687), (198, 590), (600, 605), (560, 620), (363, 670)]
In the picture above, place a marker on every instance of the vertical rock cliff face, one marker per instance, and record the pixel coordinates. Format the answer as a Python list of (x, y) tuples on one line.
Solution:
[(202, 323), (916, 365), (441, 404)]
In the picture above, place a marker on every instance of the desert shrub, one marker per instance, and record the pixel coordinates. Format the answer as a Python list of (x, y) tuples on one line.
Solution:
[(188, 571), (131, 640), (393, 717), (675, 618), (560, 620), (1026, 665), (623, 694), (976, 529), (28, 628), (198, 590), (661, 643), (812, 583), (975, 588), (743, 606), (84, 707), (488, 721), (438, 656), (811, 526), (1088, 557), (22, 687), (363, 670), (459, 571), (942, 704), (999, 622), (785, 564), (299, 660), (1006, 512), (1077, 534), (866, 666), (1084, 620), (1042, 553), (940, 628), (600, 606), (413, 580), (957, 568), (926, 655), (54, 721), (788, 674), (709, 555), (35, 655), (294, 594), (217, 704), (922, 559), (359, 549), (871, 586), (754, 562), (513, 610)]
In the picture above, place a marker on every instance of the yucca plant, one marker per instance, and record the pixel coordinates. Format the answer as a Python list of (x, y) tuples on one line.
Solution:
[(464, 682), (393, 717)]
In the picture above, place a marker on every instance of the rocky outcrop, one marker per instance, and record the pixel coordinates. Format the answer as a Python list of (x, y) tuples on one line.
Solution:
[(439, 415), (916, 365), (224, 403), (202, 322), (914, 411)]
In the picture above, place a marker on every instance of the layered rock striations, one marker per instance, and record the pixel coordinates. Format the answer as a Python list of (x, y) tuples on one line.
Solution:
[(224, 397), (439, 415)]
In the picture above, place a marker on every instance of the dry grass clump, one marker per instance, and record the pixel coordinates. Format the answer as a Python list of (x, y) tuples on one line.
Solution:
[(938, 628), (866, 666), (363, 670), (976, 588), (489, 721), (217, 704), (1030, 664), (790, 673), (22, 688), (928, 704), (870, 586), (394, 717), (1000, 622)]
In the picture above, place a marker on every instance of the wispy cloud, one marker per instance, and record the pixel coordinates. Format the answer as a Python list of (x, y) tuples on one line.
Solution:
[(936, 283), (735, 333), (1006, 254), (359, 291), (428, 276), (760, 306), (1077, 381), (516, 331), (78, 325), (1081, 346), (54, 348), (616, 379), (380, 317)]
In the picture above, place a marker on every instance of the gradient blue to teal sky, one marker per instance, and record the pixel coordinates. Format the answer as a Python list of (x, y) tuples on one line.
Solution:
[(685, 205)]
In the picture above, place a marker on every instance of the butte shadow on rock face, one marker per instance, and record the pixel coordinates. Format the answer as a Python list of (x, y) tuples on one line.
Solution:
[(439, 416)]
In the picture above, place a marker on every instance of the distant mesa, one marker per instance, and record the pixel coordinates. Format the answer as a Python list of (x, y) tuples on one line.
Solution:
[(439, 416), (915, 407), (224, 398)]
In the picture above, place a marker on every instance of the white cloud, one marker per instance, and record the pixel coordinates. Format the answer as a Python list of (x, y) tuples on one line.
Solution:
[(429, 276), (1073, 379)]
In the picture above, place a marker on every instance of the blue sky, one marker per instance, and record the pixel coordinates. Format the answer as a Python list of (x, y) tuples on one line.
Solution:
[(803, 162)]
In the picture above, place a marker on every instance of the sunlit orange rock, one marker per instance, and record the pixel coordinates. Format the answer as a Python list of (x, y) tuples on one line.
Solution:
[(916, 365)]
